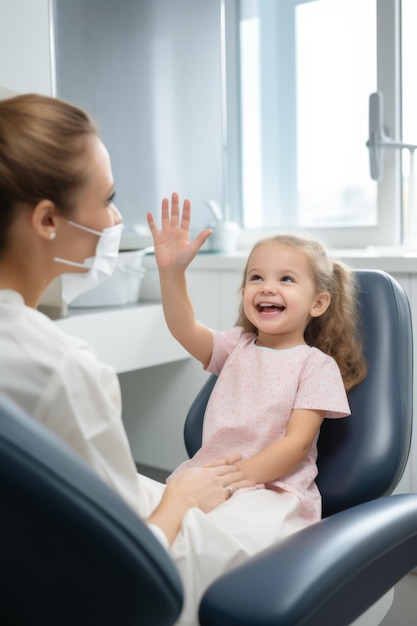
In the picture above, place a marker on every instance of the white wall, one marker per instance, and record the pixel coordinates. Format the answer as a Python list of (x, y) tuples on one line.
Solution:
[(25, 59), (150, 72)]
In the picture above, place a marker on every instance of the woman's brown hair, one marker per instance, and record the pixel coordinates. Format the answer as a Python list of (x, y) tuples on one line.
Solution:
[(337, 331), (42, 143)]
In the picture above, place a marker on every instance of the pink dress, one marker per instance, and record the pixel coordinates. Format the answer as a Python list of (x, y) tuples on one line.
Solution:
[(252, 400)]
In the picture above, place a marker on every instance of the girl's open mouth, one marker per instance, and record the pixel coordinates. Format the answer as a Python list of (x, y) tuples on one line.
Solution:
[(269, 308)]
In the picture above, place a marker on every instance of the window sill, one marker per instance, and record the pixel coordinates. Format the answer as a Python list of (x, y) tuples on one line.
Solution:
[(395, 259)]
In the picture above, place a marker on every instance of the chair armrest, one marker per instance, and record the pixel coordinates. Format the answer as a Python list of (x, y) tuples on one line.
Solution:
[(326, 574)]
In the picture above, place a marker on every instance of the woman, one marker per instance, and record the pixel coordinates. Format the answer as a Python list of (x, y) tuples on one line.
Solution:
[(57, 217)]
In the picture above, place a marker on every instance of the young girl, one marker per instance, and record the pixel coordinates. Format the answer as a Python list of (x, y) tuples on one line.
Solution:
[(286, 366)]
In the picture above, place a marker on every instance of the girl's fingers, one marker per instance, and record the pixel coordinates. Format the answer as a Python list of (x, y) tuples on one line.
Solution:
[(175, 210), (165, 219), (151, 223), (171, 218), (202, 238), (233, 458), (186, 215), (224, 461), (241, 484)]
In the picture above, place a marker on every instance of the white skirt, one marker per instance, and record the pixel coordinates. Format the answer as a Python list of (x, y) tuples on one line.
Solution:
[(210, 544)]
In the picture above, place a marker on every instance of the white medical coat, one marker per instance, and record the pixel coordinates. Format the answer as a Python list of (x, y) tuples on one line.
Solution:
[(58, 380)]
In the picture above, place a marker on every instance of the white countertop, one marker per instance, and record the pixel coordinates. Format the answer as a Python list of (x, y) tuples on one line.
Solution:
[(128, 338), (395, 260)]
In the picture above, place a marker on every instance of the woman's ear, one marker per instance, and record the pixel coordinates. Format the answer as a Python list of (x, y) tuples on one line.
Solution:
[(321, 304), (44, 219)]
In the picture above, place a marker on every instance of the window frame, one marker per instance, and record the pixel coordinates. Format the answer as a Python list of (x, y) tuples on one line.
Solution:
[(389, 230)]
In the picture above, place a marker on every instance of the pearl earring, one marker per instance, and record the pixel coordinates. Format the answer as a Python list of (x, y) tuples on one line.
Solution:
[(52, 235)]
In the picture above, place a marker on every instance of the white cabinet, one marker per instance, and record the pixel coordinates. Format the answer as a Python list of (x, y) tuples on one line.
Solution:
[(127, 338)]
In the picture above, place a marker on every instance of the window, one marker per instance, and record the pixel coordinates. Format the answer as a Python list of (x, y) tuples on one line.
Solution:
[(299, 77), (409, 118)]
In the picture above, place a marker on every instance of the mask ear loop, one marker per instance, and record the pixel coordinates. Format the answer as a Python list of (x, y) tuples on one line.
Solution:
[(86, 228), (72, 263)]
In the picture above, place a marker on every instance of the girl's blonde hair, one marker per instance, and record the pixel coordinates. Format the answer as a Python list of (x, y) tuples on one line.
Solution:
[(43, 142), (336, 332)]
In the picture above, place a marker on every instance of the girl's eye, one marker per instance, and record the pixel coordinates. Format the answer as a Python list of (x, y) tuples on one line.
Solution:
[(255, 277), (287, 279)]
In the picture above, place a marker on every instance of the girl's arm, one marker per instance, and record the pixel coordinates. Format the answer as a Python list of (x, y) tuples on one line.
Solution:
[(284, 455), (174, 252)]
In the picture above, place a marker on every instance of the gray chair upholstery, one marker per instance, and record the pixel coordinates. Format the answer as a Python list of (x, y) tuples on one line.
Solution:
[(331, 572), (71, 552)]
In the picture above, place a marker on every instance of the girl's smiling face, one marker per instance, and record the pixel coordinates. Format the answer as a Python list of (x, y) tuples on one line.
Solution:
[(279, 296)]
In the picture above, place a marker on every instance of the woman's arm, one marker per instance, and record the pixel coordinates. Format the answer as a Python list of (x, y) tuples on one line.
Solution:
[(174, 252), (284, 455), (93, 428)]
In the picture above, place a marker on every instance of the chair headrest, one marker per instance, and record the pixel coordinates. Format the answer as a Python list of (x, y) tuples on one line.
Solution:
[(363, 457)]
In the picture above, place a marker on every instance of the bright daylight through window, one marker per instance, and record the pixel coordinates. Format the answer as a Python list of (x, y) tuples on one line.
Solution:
[(305, 73)]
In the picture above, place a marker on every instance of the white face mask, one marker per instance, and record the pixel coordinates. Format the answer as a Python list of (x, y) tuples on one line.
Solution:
[(100, 266)]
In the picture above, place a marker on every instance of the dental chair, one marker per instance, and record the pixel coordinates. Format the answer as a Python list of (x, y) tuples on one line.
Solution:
[(331, 572), (71, 552)]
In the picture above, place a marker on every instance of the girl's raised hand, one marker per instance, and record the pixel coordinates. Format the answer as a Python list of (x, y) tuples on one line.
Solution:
[(173, 248)]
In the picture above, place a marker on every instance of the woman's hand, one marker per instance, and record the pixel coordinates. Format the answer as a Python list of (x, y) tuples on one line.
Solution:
[(207, 487), (173, 248), (202, 487)]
